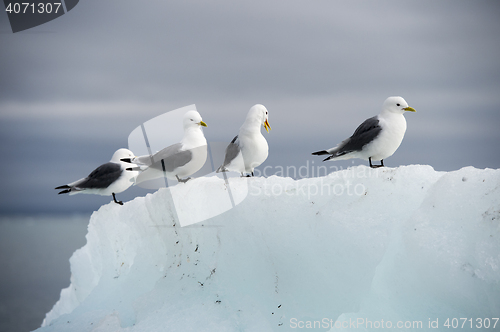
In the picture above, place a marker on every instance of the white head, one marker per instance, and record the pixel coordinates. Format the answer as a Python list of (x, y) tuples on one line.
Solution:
[(396, 105), (258, 113), (122, 154), (193, 119)]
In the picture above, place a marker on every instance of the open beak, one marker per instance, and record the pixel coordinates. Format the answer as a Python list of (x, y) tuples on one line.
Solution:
[(267, 126), (203, 124), (128, 160), (411, 109)]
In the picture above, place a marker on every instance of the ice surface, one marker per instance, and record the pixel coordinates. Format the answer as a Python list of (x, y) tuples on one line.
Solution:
[(392, 244)]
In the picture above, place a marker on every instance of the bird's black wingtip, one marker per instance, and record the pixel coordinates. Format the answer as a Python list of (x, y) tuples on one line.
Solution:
[(64, 191), (126, 160), (63, 187), (319, 153)]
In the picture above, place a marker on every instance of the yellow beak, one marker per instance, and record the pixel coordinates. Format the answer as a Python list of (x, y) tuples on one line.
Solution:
[(266, 125), (203, 124), (411, 109)]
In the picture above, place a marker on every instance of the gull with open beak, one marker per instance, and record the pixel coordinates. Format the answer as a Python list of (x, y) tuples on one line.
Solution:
[(249, 148), (108, 179)]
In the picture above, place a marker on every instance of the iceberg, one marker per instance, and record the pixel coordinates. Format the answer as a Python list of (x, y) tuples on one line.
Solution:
[(358, 249)]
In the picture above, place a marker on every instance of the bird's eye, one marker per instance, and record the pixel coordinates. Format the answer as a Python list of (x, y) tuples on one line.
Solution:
[(398, 104), (266, 112)]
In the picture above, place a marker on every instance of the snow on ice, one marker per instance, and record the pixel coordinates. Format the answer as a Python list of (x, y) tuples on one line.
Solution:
[(397, 245)]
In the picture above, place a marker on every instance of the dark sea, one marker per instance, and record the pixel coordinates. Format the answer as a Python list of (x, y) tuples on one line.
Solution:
[(34, 265)]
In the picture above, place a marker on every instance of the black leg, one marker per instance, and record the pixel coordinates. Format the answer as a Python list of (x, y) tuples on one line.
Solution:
[(376, 166), (117, 202), (182, 180), (252, 173)]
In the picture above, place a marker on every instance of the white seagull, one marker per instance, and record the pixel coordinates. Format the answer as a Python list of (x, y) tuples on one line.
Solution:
[(108, 179), (376, 138), (249, 148), (178, 160)]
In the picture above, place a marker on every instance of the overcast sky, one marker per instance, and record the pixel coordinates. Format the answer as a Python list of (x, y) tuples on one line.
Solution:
[(73, 89)]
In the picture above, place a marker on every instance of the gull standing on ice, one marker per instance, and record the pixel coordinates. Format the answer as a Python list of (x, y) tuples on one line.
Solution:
[(108, 179), (178, 160), (376, 138), (249, 148)]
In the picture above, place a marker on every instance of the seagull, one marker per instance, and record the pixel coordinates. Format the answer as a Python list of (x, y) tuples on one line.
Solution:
[(249, 148), (376, 138), (178, 160), (108, 179)]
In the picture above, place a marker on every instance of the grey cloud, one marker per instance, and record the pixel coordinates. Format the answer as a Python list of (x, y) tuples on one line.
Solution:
[(287, 48), (77, 86)]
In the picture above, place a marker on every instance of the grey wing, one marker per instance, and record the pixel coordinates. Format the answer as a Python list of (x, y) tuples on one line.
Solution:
[(143, 160), (232, 150), (101, 177), (364, 134), (172, 156)]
